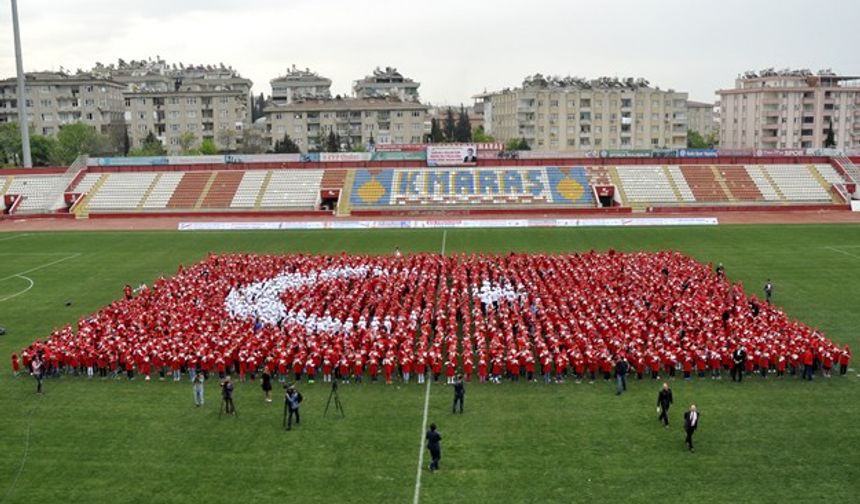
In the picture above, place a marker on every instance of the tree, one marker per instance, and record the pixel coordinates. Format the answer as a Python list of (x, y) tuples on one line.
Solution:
[(450, 125), (695, 140), (286, 146), (830, 141), (332, 142), (224, 138), (252, 141), (435, 132), (208, 147), (463, 128), (43, 150), (186, 143), (79, 138), (151, 146), (257, 105), (523, 145), (479, 136)]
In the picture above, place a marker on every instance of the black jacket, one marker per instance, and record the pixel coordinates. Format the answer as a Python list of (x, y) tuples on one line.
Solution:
[(687, 423), (664, 398)]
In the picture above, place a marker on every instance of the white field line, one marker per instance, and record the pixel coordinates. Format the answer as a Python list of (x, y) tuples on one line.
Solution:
[(835, 249), (10, 296), (37, 268), (6, 238), (417, 497), (26, 451)]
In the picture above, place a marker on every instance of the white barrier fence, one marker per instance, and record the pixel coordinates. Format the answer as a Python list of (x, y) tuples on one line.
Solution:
[(446, 223)]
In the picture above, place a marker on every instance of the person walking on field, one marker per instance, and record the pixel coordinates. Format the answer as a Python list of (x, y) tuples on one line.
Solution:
[(691, 423), (768, 291), (37, 369), (434, 440), (198, 389), (664, 401), (459, 394)]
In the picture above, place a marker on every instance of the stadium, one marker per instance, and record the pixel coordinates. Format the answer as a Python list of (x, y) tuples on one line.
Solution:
[(530, 274)]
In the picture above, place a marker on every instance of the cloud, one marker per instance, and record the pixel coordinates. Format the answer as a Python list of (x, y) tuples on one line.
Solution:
[(455, 49)]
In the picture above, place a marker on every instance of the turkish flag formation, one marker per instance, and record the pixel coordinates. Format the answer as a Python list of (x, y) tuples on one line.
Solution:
[(476, 311)]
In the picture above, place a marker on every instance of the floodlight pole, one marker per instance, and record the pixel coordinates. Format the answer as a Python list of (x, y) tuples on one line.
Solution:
[(22, 97)]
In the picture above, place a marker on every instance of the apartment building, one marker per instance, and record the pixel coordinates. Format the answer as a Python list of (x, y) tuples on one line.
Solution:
[(790, 109), (356, 120), (209, 101), (575, 114), (299, 84), (702, 118), (387, 83), (55, 99)]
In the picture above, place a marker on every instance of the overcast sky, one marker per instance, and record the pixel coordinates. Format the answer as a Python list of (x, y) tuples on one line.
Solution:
[(454, 48)]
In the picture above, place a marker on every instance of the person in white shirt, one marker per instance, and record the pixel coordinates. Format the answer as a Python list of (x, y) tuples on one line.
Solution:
[(691, 423)]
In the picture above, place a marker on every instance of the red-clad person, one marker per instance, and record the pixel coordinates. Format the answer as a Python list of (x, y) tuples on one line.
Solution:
[(780, 365), (420, 369), (844, 359), (468, 367), (16, 366), (482, 370), (764, 364), (827, 364), (807, 359)]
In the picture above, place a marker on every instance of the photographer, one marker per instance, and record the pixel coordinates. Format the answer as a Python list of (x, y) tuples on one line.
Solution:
[(292, 400), (227, 396)]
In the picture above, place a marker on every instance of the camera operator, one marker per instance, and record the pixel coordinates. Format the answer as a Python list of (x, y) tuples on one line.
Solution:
[(292, 400), (227, 396)]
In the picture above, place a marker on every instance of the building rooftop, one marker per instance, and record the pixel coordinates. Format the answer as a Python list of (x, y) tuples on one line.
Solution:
[(298, 75), (347, 104), (47, 76)]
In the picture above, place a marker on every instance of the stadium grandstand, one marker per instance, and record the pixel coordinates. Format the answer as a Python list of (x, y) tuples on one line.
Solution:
[(356, 184)]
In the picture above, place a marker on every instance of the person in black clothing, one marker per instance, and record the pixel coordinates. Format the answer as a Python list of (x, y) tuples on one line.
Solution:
[(267, 385), (664, 400), (739, 360), (433, 444), (621, 369), (292, 399), (459, 394), (768, 291), (691, 423), (227, 396)]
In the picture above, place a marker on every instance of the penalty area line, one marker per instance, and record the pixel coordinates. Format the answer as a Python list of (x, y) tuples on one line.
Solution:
[(37, 268), (835, 249)]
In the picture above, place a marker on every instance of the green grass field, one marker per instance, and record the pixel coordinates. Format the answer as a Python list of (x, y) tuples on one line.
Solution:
[(119, 441)]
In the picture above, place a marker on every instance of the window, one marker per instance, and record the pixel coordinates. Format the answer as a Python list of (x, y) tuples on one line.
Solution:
[(553, 103), (598, 116), (174, 114), (191, 100), (45, 103), (416, 113), (192, 127), (173, 101), (174, 127), (191, 114), (222, 99)]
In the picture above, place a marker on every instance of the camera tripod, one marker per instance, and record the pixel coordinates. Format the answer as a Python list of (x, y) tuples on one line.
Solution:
[(337, 404)]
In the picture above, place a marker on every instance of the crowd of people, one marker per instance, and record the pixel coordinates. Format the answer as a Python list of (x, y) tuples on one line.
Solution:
[(487, 317)]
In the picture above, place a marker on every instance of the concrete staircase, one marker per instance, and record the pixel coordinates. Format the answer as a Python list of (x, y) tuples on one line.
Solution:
[(673, 185), (82, 210), (148, 192), (770, 181), (616, 181), (344, 209), (263, 189), (722, 181)]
